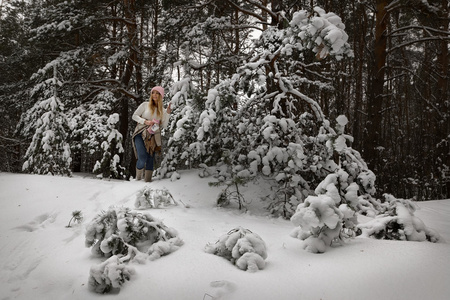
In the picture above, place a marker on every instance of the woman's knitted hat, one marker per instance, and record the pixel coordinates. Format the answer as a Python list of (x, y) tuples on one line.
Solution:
[(159, 89)]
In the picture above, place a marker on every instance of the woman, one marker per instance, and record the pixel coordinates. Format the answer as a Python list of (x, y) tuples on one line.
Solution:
[(146, 137)]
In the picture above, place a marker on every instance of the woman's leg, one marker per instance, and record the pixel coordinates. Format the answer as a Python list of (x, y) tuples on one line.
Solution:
[(150, 161), (141, 152)]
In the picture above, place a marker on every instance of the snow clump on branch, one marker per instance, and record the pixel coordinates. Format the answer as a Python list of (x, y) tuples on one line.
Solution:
[(323, 32)]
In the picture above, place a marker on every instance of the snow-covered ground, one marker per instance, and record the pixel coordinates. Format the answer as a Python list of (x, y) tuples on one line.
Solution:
[(42, 259)]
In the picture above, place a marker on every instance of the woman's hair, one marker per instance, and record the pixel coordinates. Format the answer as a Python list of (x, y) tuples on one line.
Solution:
[(158, 107)]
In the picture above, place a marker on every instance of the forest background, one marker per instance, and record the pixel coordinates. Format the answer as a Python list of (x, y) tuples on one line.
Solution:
[(87, 65)]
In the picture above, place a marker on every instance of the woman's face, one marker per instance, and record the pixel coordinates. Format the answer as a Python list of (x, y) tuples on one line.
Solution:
[(155, 96)]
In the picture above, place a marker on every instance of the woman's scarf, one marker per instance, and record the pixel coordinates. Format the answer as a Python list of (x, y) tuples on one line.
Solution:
[(152, 141)]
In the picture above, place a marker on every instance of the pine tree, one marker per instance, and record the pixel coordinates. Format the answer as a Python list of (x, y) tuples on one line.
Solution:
[(49, 152), (262, 120), (181, 151)]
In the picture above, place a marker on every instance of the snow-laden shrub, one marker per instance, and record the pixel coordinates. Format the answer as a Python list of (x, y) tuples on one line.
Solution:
[(109, 275), (319, 221), (120, 231), (233, 178), (242, 247), (122, 236), (153, 198), (331, 215), (398, 222)]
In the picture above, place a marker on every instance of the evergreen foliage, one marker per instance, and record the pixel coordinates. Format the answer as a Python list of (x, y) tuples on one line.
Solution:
[(121, 236), (49, 152), (268, 97), (180, 147), (109, 275), (397, 221), (253, 118), (242, 247), (77, 217), (153, 198), (120, 231), (111, 147)]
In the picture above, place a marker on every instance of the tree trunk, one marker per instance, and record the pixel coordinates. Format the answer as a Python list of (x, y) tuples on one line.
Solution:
[(130, 16), (133, 58), (376, 89), (442, 97), (359, 44)]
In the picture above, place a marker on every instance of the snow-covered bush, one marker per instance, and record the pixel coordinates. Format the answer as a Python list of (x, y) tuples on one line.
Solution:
[(331, 216), (242, 247), (319, 221), (153, 198), (122, 235), (109, 275), (233, 177), (120, 231), (398, 222)]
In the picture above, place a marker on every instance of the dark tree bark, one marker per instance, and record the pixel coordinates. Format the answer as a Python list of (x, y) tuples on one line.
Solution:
[(375, 99)]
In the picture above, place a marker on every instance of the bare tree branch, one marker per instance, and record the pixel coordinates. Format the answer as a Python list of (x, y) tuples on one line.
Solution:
[(434, 38), (424, 28), (251, 13)]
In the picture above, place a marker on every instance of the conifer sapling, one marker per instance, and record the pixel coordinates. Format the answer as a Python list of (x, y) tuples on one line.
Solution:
[(76, 217)]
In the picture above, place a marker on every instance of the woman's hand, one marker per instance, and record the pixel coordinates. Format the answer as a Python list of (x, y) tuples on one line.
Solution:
[(169, 108), (149, 123)]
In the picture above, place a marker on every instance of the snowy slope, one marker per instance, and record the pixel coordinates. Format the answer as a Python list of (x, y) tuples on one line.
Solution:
[(42, 259)]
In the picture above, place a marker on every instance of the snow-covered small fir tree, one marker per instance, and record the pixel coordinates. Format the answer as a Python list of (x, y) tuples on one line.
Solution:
[(233, 177), (135, 236), (398, 222), (181, 150), (109, 166), (109, 275), (242, 247), (147, 197), (91, 127), (49, 151)]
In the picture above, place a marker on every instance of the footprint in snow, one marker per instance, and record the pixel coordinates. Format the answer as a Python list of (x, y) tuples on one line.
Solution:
[(38, 222), (221, 288)]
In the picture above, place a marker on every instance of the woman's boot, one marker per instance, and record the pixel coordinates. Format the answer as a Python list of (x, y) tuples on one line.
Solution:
[(148, 175), (139, 174)]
